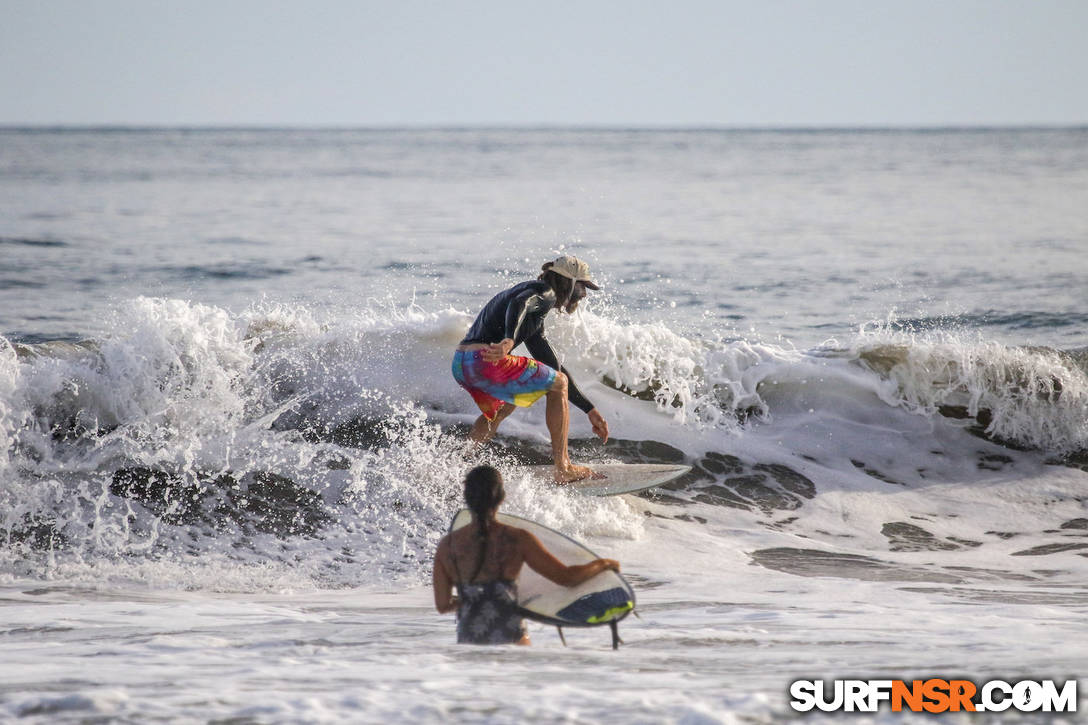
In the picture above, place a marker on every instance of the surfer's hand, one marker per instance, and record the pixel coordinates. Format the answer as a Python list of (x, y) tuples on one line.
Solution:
[(498, 350), (611, 564), (600, 425)]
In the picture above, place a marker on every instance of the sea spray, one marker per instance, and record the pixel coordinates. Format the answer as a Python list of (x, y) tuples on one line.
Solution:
[(1028, 396), (193, 432), (695, 381), (11, 409), (331, 442)]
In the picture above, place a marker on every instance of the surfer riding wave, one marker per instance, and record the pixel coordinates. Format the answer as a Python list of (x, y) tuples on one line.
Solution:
[(500, 382)]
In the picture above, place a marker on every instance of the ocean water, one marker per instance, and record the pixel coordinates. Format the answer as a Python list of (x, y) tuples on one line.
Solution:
[(229, 438)]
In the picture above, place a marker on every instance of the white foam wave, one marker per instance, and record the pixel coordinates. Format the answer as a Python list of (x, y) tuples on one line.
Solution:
[(1032, 396), (11, 418), (349, 405), (191, 399), (696, 382)]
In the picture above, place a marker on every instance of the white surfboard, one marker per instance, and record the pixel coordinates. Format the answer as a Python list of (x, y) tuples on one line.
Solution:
[(618, 477), (604, 599)]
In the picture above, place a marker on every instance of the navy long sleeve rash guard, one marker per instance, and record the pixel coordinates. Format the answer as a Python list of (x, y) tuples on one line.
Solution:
[(518, 313)]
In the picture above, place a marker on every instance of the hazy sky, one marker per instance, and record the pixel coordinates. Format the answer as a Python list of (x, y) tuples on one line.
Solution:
[(673, 62)]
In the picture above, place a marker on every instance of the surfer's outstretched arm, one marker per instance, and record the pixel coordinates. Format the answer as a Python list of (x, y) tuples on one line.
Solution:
[(543, 562)]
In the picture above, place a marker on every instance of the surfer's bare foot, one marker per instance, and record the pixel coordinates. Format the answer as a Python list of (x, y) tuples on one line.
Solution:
[(573, 473)]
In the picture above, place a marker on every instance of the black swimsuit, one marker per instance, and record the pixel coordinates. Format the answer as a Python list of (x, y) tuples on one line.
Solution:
[(489, 611)]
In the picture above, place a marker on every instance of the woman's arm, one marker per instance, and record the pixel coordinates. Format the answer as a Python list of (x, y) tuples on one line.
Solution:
[(544, 563), (444, 601)]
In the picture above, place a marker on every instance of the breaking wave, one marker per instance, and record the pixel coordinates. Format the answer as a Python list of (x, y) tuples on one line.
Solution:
[(326, 445)]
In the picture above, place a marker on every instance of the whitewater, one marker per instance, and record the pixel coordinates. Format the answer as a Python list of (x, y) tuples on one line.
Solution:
[(230, 439)]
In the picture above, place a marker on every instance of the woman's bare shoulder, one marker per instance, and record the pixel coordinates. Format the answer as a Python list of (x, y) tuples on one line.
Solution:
[(523, 537)]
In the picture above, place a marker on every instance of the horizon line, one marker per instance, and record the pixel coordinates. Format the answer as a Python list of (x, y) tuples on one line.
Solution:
[(580, 127)]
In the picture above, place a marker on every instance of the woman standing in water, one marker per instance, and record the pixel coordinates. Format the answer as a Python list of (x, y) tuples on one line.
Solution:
[(484, 558)]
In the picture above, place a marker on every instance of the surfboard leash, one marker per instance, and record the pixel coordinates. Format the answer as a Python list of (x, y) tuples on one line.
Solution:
[(613, 625)]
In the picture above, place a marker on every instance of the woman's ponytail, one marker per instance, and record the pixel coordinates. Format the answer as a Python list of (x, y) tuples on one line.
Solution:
[(483, 494)]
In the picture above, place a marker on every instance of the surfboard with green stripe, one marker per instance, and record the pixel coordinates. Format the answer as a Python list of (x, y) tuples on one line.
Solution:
[(604, 599)]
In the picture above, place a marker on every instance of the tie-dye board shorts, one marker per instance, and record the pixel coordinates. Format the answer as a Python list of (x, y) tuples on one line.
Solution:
[(518, 380)]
